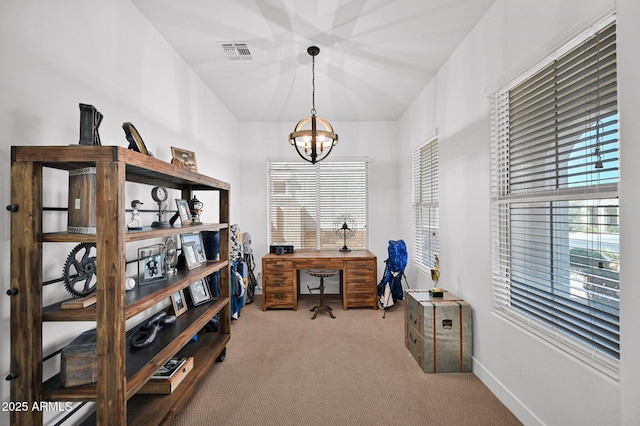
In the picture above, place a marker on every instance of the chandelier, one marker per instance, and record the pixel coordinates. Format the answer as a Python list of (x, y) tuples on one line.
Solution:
[(313, 144)]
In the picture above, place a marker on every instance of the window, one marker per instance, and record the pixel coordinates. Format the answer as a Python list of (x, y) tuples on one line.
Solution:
[(555, 200), (308, 204), (426, 220)]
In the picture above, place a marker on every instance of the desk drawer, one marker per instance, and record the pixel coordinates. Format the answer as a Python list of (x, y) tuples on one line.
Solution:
[(363, 271), (277, 287), (279, 299), (275, 278), (319, 264), (277, 265), (359, 287), (361, 264), (361, 295), (361, 300), (360, 275)]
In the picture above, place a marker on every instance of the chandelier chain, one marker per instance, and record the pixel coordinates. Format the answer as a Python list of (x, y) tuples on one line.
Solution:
[(313, 85)]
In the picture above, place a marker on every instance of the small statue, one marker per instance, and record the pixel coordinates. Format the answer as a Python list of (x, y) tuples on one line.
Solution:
[(435, 276), (195, 206), (435, 271), (136, 221)]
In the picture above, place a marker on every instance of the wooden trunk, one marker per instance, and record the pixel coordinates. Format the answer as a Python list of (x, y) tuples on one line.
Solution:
[(82, 201), (438, 332), (446, 337)]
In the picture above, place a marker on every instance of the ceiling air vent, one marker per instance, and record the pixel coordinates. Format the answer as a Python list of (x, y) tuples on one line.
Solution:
[(235, 50)]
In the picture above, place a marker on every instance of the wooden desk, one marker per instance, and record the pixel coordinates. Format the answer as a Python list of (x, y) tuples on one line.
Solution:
[(359, 277)]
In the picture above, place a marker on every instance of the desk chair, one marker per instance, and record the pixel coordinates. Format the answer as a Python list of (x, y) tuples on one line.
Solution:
[(322, 307)]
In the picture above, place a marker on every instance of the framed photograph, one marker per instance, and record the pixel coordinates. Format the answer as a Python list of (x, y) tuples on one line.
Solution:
[(190, 255), (199, 292), (183, 158), (184, 212), (178, 302), (151, 264), (135, 141), (196, 239)]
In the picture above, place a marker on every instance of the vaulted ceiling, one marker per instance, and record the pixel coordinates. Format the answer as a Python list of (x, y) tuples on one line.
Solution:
[(375, 56)]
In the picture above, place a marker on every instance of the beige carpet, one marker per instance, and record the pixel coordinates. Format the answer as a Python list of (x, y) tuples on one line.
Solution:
[(282, 368)]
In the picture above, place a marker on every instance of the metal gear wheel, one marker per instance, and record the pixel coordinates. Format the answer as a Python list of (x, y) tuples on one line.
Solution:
[(80, 270)]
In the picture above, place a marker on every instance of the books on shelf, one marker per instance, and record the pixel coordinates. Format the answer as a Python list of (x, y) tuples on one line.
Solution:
[(168, 370), (168, 377)]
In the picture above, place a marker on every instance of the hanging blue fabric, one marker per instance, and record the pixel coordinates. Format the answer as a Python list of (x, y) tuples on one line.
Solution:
[(238, 289), (393, 272)]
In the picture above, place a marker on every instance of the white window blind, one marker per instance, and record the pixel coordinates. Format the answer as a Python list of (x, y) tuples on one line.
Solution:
[(307, 203), (555, 200), (426, 211)]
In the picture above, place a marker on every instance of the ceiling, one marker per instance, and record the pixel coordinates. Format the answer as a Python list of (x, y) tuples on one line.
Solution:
[(375, 56)]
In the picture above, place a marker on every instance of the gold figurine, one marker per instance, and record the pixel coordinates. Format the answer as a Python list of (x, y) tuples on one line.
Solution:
[(435, 271), (435, 276)]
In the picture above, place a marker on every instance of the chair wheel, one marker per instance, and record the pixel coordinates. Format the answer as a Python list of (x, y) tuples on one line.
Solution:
[(222, 355)]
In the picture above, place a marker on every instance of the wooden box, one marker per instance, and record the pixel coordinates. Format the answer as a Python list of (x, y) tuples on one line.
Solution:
[(82, 201), (78, 361), (166, 386)]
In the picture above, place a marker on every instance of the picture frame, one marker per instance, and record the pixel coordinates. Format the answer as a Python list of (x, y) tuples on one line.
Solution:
[(184, 158), (184, 212), (199, 292), (151, 264), (179, 303), (190, 255), (196, 239), (135, 140)]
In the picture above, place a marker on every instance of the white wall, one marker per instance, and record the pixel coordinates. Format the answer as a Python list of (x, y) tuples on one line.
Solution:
[(377, 141), (539, 383), (57, 54), (629, 106)]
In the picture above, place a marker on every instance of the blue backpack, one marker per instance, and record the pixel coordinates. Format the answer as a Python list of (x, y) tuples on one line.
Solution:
[(394, 271)]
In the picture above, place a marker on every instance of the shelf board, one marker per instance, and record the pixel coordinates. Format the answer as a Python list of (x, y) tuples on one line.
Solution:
[(144, 362), (139, 167), (141, 297), (146, 233)]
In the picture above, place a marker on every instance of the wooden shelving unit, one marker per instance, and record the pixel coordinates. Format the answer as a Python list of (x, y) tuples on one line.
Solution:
[(121, 371)]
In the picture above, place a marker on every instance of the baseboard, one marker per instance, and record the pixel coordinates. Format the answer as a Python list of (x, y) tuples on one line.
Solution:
[(520, 410)]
